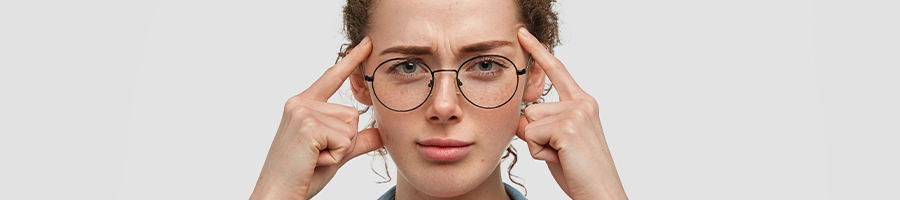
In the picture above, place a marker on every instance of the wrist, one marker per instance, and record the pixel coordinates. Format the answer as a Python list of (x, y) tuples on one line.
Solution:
[(267, 189)]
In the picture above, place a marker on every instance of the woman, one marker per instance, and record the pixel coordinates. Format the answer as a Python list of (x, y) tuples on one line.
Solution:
[(445, 80)]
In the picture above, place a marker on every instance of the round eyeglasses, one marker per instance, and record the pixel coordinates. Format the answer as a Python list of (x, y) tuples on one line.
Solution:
[(404, 84)]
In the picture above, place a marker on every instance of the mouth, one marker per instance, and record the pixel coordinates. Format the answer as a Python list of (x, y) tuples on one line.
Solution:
[(444, 149)]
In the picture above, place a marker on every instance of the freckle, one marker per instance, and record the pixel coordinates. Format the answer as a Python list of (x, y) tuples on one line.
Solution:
[(482, 160)]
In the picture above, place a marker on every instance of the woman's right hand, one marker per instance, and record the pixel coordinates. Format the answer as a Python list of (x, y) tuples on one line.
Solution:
[(315, 137)]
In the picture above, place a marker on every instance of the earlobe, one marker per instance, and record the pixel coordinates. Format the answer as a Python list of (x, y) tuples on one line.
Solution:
[(360, 88), (534, 88)]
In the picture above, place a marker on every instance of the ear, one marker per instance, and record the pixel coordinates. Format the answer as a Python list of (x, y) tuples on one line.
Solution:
[(534, 87), (359, 87)]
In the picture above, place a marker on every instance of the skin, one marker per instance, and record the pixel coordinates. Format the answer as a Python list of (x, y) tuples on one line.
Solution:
[(444, 29), (316, 138)]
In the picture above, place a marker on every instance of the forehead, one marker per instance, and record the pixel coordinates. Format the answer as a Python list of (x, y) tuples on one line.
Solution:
[(444, 26)]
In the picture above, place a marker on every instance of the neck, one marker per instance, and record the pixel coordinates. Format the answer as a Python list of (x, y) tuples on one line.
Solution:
[(491, 188)]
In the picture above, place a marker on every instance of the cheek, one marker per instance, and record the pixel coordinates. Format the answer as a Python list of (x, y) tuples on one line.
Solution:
[(386, 121), (501, 125), (398, 130), (497, 125)]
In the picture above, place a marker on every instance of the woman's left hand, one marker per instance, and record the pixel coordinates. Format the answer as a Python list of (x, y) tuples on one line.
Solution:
[(567, 134)]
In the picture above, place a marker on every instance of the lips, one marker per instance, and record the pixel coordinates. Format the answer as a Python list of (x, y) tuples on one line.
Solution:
[(444, 149)]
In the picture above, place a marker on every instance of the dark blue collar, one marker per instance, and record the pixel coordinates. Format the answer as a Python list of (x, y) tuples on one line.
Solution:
[(512, 192)]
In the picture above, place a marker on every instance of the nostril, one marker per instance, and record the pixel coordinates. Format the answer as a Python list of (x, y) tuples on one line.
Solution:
[(436, 118)]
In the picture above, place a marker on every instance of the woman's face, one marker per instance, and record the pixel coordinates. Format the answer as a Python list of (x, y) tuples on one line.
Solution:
[(447, 146)]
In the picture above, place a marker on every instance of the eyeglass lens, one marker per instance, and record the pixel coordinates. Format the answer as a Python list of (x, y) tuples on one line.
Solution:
[(404, 84)]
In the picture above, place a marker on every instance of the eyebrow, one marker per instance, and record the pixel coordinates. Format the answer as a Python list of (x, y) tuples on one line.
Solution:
[(472, 48)]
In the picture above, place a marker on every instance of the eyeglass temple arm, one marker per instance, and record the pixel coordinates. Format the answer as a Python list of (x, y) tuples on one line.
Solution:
[(527, 65)]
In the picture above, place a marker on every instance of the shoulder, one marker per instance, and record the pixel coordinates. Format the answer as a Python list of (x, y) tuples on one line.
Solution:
[(389, 195), (513, 193)]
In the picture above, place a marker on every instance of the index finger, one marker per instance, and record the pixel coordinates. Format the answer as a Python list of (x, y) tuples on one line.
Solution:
[(334, 77), (556, 71)]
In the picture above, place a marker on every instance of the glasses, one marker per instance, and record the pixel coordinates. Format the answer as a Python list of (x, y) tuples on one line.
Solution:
[(404, 84)]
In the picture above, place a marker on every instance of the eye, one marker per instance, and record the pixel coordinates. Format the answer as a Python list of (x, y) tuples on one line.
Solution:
[(407, 67), (485, 65)]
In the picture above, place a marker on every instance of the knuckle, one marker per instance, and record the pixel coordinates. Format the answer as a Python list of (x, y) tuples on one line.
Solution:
[(583, 103), (294, 101), (593, 104), (578, 112), (327, 162), (568, 126), (532, 111), (299, 111), (340, 144), (534, 153), (309, 123), (290, 103), (588, 106), (529, 131), (529, 111), (349, 131)]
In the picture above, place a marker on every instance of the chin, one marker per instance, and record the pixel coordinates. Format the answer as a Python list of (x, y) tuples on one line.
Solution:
[(440, 184), (449, 179)]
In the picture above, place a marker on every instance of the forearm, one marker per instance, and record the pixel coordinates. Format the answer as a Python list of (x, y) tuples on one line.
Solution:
[(265, 189)]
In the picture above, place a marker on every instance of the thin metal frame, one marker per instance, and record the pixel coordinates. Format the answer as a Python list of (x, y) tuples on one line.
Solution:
[(371, 80)]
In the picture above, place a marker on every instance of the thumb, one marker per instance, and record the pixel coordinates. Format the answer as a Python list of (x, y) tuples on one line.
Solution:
[(520, 131), (366, 140)]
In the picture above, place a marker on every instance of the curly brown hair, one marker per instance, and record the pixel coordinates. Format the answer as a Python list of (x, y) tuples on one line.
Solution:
[(537, 16)]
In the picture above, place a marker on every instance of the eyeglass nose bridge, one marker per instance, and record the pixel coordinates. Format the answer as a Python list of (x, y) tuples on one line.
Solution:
[(458, 82)]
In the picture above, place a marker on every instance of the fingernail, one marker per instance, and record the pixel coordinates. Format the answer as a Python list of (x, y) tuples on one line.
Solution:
[(364, 41), (523, 31)]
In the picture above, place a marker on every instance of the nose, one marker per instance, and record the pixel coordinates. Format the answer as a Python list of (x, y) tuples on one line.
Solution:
[(445, 97)]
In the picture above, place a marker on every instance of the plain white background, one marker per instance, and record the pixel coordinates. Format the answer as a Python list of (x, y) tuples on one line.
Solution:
[(765, 99)]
